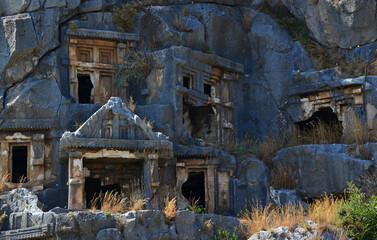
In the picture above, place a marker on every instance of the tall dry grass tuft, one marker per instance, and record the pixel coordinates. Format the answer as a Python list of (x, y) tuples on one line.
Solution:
[(136, 203), (170, 208), (131, 104), (3, 182), (282, 177), (262, 218), (110, 201), (323, 211), (357, 131), (21, 181), (257, 219)]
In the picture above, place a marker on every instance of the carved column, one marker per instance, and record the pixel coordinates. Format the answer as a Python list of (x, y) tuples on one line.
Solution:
[(210, 184), (37, 158), (76, 181)]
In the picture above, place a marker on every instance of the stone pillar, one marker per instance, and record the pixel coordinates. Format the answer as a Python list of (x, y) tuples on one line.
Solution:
[(223, 190), (37, 158), (76, 181), (153, 170), (210, 189)]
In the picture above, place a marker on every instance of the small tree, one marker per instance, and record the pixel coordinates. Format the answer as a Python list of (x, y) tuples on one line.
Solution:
[(124, 17)]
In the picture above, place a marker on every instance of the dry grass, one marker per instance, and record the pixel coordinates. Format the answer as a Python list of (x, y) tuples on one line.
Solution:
[(3, 182), (259, 218), (21, 181), (262, 218), (358, 131), (328, 58), (136, 203), (323, 211), (131, 104), (113, 202), (180, 25), (282, 177), (247, 21), (207, 226), (110, 201), (170, 208)]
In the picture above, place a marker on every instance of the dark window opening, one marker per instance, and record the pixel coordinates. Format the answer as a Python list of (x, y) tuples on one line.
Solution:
[(207, 89), (19, 164), (188, 81), (198, 122), (93, 189), (325, 117), (85, 87), (193, 189)]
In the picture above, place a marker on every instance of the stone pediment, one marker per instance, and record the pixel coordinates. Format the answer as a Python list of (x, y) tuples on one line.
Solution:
[(114, 125)]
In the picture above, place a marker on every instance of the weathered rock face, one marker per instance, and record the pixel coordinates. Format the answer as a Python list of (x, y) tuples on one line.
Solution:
[(309, 231), (345, 24), (251, 182), (269, 72), (21, 200), (23, 212), (33, 98), (321, 169)]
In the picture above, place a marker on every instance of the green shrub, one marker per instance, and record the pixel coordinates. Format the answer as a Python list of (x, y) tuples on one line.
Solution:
[(296, 27), (207, 49), (185, 11), (72, 26), (193, 206), (223, 234), (124, 17), (358, 214), (134, 69)]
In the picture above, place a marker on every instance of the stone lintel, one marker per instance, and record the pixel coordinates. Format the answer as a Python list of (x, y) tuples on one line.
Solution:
[(75, 154)]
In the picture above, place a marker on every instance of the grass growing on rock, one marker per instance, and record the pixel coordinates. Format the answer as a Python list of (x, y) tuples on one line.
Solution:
[(170, 208), (321, 211), (112, 202), (3, 182)]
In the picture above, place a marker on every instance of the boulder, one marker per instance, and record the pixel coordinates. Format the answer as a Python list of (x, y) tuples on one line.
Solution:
[(109, 233), (10, 7), (284, 196), (33, 98), (46, 24), (268, 73), (21, 47), (250, 182), (345, 24), (21, 200), (320, 169)]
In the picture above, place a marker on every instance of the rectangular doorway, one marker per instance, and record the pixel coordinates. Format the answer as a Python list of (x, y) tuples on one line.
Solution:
[(19, 163)]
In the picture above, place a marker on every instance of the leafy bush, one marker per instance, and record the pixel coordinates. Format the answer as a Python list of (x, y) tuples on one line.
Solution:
[(135, 68), (124, 17), (223, 234), (358, 214), (194, 206)]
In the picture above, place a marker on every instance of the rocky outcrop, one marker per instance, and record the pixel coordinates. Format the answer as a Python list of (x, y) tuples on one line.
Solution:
[(320, 169), (33, 98), (306, 232), (344, 24), (250, 183)]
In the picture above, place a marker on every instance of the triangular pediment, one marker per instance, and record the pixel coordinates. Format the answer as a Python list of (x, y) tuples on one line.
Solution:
[(114, 120)]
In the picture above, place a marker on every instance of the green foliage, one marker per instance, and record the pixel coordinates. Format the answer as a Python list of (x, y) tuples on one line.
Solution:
[(72, 26), (183, 140), (207, 49), (124, 16), (223, 234), (135, 68), (358, 214), (107, 214), (185, 11), (296, 27), (194, 207)]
